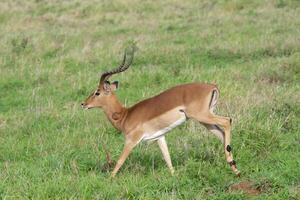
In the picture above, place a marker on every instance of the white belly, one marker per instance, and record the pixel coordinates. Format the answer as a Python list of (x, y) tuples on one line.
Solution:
[(158, 127)]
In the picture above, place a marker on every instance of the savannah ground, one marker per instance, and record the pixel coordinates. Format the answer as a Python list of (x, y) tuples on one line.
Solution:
[(52, 53)]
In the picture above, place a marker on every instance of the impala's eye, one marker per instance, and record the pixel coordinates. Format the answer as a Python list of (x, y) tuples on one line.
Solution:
[(97, 93)]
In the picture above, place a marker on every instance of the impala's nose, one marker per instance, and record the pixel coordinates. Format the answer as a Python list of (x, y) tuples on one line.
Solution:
[(82, 105)]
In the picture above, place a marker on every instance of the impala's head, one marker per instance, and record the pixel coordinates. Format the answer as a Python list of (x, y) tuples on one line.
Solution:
[(105, 90)]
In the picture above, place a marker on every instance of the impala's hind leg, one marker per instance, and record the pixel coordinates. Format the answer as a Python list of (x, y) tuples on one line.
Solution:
[(220, 126), (164, 149)]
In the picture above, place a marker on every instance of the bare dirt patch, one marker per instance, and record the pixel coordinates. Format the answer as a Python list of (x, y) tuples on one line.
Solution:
[(246, 187)]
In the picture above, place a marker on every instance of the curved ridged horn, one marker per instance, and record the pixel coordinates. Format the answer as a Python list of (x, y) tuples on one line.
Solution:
[(122, 67)]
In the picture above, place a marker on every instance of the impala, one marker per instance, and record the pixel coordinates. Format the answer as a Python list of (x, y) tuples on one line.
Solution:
[(151, 119)]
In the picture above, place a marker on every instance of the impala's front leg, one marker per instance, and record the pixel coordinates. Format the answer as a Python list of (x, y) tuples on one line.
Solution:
[(126, 151), (130, 143)]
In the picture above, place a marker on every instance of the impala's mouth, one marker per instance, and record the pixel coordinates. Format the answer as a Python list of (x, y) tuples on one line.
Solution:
[(85, 107)]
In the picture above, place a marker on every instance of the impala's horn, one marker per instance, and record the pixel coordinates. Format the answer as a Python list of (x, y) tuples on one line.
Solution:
[(126, 62)]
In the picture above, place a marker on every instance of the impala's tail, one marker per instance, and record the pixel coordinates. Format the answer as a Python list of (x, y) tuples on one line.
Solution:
[(214, 99)]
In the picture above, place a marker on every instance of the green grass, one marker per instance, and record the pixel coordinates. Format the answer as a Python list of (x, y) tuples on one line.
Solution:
[(52, 53)]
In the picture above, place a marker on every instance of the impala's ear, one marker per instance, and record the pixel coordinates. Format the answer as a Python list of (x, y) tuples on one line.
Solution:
[(106, 86), (114, 85)]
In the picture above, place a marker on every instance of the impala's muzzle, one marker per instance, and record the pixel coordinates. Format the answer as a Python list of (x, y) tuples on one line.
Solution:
[(84, 106)]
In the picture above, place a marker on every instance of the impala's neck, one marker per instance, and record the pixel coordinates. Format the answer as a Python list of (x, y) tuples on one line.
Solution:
[(115, 112)]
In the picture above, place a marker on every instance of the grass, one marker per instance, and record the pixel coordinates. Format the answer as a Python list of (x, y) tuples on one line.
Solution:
[(50, 58)]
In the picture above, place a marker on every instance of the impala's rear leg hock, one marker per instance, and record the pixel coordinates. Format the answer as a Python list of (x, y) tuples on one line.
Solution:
[(225, 123), (227, 148)]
